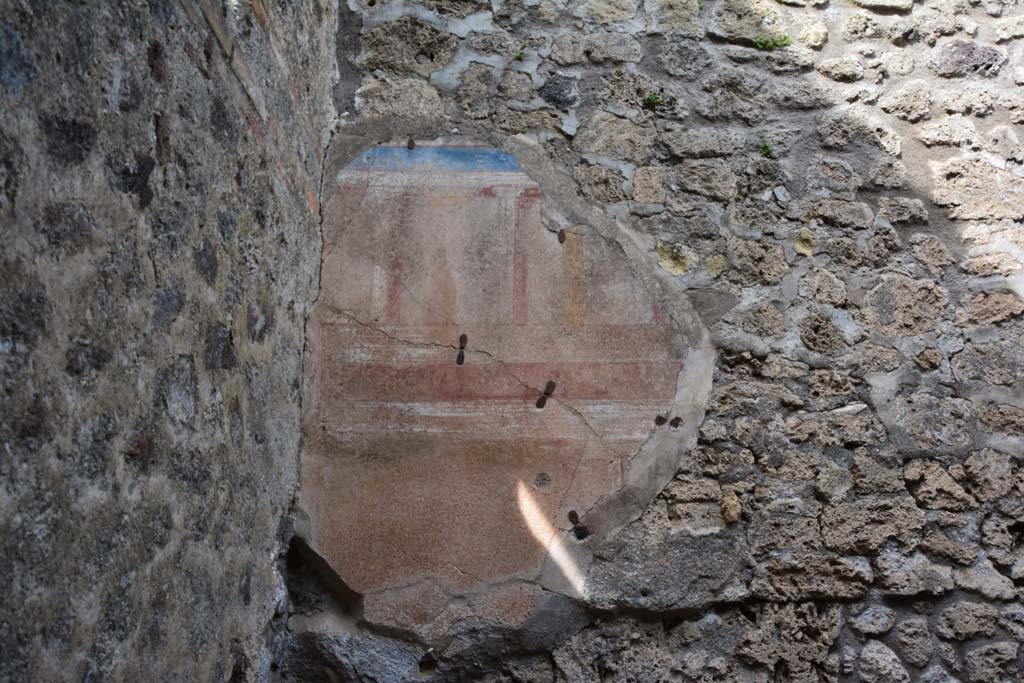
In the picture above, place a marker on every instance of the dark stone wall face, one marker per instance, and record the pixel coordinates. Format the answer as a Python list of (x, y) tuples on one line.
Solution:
[(159, 175)]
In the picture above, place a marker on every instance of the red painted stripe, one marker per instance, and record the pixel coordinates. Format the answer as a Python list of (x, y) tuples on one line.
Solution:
[(524, 206), (446, 381), (394, 312), (594, 343), (399, 227)]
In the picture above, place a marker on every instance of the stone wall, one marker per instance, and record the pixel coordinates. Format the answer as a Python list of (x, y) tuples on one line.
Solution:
[(160, 165), (838, 189)]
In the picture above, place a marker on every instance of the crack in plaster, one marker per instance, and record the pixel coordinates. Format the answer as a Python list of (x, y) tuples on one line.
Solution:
[(559, 528), (614, 243), (501, 363), (437, 345)]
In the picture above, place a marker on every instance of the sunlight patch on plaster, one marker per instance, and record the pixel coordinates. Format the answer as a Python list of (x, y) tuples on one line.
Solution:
[(549, 537)]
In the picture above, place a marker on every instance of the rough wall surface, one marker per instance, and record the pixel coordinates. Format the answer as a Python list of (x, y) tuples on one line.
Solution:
[(837, 187), (160, 164)]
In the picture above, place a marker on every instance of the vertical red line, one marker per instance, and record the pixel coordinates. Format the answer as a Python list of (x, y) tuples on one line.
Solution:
[(394, 312), (524, 205), (397, 229)]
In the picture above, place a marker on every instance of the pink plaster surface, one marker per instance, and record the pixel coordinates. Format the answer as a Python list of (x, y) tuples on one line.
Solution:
[(411, 462)]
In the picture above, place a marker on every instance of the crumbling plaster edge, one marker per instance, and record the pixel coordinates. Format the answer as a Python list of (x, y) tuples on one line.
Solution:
[(651, 467)]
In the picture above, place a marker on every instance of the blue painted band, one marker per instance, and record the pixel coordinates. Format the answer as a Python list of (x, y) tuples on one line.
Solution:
[(427, 158)]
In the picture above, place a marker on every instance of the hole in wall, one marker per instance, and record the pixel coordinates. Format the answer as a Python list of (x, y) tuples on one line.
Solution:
[(317, 592), (428, 663)]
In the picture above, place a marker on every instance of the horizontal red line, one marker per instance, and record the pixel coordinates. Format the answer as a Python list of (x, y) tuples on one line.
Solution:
[(643, 381)]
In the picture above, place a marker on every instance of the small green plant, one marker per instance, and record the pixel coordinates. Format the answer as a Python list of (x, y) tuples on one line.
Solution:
[(769, 43), (765, 148), (520, 56), (653, 100)]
